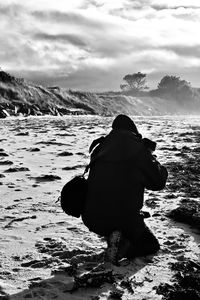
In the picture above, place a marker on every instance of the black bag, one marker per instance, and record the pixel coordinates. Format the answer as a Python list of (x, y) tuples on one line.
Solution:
[(73, 196)]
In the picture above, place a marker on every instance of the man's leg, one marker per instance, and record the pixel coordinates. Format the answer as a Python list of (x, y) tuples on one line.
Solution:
[(113, 241), (146, 244)]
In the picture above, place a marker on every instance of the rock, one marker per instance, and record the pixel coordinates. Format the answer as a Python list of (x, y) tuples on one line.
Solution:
[(73, 167), (186, 282), (22, 133), (115, 295), (152, 203), (2, 114), (65, 268), (65, 153), (94, 279), (187, 212), (3, 154), (47, 177), (34, 149), (16, 169), (6, 162)]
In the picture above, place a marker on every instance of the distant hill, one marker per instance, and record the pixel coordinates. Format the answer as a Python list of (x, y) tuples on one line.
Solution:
[(18, 97)]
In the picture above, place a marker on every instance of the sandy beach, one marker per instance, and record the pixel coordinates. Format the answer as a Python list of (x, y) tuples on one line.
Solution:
[(46, 254)]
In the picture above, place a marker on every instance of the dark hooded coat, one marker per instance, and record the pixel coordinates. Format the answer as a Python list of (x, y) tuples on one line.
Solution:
[(121, 168)]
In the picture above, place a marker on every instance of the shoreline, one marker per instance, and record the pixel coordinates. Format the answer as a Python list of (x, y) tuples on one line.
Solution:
[(189, 116)]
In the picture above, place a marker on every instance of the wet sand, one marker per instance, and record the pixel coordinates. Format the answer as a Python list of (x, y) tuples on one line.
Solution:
[(46, 254)]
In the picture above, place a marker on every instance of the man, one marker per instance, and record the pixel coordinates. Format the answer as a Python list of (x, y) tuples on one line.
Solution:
[(121, 167)]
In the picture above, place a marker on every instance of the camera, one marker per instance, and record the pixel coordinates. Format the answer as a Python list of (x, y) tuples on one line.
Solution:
[(150, 145)]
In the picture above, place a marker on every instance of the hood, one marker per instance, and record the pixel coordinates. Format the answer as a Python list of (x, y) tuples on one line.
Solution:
[(119, 145)]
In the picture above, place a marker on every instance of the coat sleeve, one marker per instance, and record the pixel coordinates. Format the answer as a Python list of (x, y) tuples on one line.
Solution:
[(154, 173), (95, 143)]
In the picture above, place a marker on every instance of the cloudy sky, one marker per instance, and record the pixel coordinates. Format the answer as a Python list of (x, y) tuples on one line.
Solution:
[(92, 44)]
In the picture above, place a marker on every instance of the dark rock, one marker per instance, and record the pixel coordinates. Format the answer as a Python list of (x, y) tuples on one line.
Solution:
[(34, 149), (22, 133), (126, 283), (115, 295), (94, 279), (3, 115), (73, 168), (65, 153), (3, 154), (187, 212), (16, 169), (51, 143), (152, 203), (185, 148), (43, 263), (6, 162), (169, 148), (186, 282), (49, 177)]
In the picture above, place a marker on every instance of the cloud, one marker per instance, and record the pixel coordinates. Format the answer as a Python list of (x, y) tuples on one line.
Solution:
[(175, 3), (61, 5), (72, 39), (92, 44), (185, 50)]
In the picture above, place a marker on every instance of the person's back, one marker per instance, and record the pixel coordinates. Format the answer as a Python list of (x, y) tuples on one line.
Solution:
[(121, 167), (116, 184)]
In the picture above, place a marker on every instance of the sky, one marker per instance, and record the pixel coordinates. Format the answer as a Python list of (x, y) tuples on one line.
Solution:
[(92, 44)]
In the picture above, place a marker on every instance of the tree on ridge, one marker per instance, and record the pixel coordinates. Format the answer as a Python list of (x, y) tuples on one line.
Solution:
[(135, 82)]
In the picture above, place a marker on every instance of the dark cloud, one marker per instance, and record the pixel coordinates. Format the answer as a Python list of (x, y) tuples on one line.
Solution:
[(71, 38), (115, 48), (4, 10), (184, 50)]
